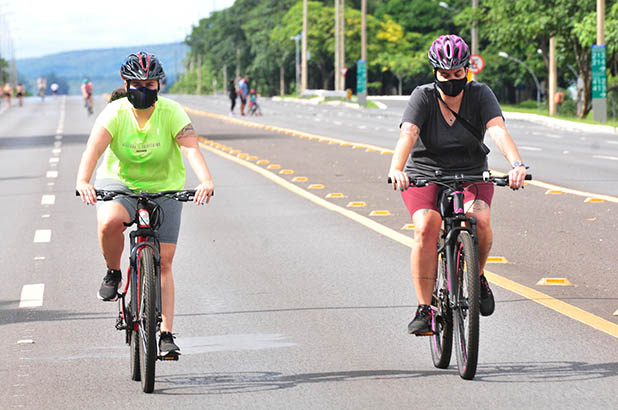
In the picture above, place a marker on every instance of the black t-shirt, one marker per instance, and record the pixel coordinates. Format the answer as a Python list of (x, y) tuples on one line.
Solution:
[(449, 148)]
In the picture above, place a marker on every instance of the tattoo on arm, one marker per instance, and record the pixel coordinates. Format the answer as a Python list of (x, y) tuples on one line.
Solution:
[(410, 130), (186, 132)]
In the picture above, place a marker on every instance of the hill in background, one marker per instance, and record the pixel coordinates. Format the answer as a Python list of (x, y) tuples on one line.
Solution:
[(102, 66)]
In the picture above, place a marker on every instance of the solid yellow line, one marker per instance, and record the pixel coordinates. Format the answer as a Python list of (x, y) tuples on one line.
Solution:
[(559, 306), (571, 311)]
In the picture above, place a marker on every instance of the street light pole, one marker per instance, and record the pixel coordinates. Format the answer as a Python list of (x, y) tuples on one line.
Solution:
[(538, 86)]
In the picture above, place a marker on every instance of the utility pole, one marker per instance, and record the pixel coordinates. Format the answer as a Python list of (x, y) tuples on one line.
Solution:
[(341, 44), (337, 68), (361, 65), (199, 74), (553, 76), (474, 32), (303, 70), (224, 78), (599, 75)]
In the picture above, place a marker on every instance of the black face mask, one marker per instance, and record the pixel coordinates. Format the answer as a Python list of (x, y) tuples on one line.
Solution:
[(142, 97), (452, 88)]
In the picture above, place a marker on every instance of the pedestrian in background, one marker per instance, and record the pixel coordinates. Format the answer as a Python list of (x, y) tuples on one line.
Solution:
[(232, 95), (243, 92)]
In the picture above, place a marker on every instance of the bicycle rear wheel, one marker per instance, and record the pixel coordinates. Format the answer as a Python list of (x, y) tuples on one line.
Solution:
[(466, 312), (441, 320), (147, 319)]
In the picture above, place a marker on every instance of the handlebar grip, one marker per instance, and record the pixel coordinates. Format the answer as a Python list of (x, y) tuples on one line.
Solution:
[(528, 177)]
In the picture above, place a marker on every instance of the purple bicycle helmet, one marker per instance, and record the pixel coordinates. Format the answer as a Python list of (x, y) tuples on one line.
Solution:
[(449, 52)]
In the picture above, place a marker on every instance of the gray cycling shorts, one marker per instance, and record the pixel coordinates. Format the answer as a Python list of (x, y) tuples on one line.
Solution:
[(172, 209)]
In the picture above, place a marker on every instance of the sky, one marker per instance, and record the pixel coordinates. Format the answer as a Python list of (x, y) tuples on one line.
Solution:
[(40, 27)]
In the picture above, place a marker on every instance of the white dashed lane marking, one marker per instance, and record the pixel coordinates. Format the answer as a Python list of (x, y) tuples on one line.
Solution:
[(605, 157), (525, 148), (48, 199), (32, 295), (42, 236), (52, 174)]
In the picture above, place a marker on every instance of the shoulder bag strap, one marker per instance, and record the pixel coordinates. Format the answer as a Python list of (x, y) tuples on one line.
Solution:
[(467, 125)]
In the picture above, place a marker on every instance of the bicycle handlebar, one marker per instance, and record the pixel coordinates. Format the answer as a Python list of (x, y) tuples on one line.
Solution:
[(485, 177), (182, 196)]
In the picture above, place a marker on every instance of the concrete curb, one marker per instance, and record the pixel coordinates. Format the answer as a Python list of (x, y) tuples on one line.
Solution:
[(564, 124)]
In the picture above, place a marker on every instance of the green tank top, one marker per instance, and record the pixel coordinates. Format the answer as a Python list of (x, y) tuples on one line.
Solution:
[(144, 159)]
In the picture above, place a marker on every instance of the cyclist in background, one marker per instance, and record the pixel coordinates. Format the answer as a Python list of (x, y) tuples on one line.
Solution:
[(20, 92), (54, 88), (87, 94), (41, 85), (254, 107), (142, 137), (433, 137), (7, 93)]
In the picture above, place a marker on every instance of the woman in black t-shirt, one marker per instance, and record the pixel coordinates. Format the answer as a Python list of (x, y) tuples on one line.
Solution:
[(433, 138)]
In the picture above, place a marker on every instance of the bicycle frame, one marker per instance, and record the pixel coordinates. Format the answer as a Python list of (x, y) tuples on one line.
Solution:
[(453, 225)]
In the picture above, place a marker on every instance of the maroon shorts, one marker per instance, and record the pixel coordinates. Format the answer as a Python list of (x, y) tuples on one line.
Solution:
[(427, 197)]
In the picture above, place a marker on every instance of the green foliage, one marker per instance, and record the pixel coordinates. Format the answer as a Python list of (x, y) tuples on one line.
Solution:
[(256, 36)]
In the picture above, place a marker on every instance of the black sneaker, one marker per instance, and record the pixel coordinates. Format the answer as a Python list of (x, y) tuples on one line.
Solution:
[(421, 324), (487, 298), (108, 292), (167, 347)]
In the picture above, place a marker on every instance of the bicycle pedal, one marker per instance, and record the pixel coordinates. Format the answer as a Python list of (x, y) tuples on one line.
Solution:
[(170, 356), (423, 334)]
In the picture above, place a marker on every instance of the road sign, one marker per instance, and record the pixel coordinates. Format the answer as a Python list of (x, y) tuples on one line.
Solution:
[(599, 74), (361, 76), (476, 63)]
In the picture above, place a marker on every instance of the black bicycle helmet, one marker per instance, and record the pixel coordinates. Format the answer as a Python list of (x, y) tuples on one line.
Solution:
[(141, 66), (449, 52)]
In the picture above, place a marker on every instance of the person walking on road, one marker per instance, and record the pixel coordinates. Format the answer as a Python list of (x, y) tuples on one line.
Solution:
[(232, 94), (243, 92), (142, 138), (439, 132)]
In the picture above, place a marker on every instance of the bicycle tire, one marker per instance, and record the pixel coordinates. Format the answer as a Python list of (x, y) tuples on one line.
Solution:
[(466, 313), (147, 319), (441, 342)]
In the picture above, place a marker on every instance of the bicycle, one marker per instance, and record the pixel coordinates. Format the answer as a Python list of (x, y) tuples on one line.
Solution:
[(254, 108), (455, 303), (140, 318)]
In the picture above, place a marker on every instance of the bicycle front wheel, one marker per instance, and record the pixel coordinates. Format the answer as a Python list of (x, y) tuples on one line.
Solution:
[(147, 318), (441, 320), (466, 311)]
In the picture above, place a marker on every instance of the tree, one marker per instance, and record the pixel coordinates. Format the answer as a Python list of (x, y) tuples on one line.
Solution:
[(516, 25)]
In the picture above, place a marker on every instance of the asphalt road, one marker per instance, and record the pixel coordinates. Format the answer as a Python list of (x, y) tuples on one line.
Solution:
[(281, 302)]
